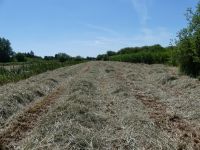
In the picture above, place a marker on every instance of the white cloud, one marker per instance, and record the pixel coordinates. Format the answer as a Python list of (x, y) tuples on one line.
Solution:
[(101, 28), (149, 36), (146, 36), (141, 7), (100, 44)]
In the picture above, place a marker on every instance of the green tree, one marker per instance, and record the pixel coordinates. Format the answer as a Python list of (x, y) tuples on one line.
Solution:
[(188, 44), (30, 54), (78, 58), (62, 57), (102, 57), (20, 57), (110, 53), (49, 58), (5, 50)]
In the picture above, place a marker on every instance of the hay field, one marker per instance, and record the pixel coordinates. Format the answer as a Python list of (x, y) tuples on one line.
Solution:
[(102, 105)]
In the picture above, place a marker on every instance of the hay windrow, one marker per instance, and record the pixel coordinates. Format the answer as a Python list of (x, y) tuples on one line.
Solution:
[(112, 105)]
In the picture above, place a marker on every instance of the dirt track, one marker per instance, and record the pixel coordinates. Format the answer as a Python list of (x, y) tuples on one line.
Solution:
[(102, 105)]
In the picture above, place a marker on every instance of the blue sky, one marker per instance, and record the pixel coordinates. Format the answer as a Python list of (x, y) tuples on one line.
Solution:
[(90, 27)]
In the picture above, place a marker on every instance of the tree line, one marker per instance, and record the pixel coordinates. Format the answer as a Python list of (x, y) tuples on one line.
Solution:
[(146, 54), (185, 53), (8, 55)]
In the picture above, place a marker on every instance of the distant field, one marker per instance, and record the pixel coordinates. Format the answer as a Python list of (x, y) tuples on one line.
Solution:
[(12, 72), (11, 67)]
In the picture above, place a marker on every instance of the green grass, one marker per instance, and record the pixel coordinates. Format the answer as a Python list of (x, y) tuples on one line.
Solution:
[(27, 70)]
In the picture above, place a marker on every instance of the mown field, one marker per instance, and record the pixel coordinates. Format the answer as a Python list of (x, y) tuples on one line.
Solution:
[(102, 105)]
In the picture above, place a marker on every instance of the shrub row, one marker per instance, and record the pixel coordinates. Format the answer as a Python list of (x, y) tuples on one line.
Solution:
[(26, 70), (143, 57)]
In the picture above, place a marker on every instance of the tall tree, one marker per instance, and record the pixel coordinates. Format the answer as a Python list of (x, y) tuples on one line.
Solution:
[(5, 50), (188, 44)]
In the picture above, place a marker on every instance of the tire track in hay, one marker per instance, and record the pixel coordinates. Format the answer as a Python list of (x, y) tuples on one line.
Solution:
[(27, 120), (188, 135)]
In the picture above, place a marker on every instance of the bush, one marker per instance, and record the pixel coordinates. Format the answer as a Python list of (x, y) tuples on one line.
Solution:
[(188, 45), (62, 57), (110, 53), (20, 57), (28, 69), (78, 58), (48, 58), (103, 57), (147, 54)]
